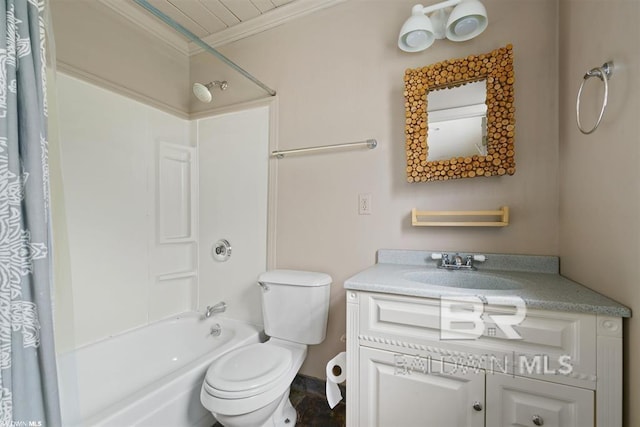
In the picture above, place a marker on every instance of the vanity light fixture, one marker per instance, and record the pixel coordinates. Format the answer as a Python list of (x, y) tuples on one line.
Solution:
[(203, 92), (466, 20)]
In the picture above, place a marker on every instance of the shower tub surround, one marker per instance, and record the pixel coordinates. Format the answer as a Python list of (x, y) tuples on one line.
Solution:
[(149, 376)]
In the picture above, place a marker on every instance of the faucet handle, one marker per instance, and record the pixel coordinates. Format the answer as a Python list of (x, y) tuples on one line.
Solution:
[(479, 258), (436, 256)]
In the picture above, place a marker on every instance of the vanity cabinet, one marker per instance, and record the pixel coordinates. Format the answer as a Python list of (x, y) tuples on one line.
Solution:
[(395, 396), (565, 370)]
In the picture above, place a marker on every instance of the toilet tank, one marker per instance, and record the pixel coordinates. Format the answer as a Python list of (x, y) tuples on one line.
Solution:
[(295, 305)]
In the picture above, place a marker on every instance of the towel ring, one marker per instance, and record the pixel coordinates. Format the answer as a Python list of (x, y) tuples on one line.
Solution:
[(604, 74)]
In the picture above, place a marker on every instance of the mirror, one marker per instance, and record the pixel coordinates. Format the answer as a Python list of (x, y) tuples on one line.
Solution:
[(457, 121), (464, 109)]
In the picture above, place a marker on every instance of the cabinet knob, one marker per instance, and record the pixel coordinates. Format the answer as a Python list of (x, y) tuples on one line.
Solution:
[(537, 420), (478, 406)]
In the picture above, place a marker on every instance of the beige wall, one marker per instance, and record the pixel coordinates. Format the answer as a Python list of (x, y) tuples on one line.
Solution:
[(96, 44), (339, 76), (600, 176)]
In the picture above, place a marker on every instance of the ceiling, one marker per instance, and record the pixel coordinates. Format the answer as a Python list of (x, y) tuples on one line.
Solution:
[(206, 17), (216, 22)]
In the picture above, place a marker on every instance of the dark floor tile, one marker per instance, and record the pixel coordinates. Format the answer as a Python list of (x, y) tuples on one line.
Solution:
[(296, 397), (313, 410)]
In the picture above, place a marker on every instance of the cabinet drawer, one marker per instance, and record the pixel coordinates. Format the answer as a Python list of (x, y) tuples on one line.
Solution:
[(549, 342), (514, 401)]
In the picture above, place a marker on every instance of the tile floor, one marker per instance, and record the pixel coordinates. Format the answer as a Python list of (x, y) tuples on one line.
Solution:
[(313, 410), (308, 397)]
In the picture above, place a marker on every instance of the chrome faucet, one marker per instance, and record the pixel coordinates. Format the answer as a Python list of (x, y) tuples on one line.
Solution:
[(218, 308), (456, 262)]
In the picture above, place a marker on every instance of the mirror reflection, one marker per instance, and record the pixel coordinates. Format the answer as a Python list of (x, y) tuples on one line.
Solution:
[(457, 121)]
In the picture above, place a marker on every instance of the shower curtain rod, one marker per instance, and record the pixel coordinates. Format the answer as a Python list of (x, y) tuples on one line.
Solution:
[(173, 24)]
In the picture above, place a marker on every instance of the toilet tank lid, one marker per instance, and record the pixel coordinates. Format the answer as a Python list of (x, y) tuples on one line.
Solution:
[(295, 278)]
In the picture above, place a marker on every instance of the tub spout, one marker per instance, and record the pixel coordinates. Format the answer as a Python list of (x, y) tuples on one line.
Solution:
[(218, 308)]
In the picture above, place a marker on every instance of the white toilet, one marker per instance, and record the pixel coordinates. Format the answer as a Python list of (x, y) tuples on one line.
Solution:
[(249, 386)]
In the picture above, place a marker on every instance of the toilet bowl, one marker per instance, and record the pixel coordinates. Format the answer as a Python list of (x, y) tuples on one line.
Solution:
[(249, 386)]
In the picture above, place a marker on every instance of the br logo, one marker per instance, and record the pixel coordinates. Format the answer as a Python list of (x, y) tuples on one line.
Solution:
[(464, 317)]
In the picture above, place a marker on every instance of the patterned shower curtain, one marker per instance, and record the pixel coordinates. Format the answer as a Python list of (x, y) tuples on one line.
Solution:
[(28, 380)]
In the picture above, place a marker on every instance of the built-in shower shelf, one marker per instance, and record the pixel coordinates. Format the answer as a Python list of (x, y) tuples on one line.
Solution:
[(178, 275), (460, 218)]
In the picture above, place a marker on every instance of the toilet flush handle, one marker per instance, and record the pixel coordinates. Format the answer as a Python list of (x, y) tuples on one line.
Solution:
[(263, 286)]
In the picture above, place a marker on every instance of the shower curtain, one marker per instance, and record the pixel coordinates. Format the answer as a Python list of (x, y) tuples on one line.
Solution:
[(28, 380)]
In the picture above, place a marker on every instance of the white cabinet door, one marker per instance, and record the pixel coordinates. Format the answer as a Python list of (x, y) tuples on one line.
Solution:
[(406, 391), (516, 401)]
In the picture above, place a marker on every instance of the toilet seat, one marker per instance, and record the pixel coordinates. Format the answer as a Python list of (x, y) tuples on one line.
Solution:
[(245, 401), (247, 371)]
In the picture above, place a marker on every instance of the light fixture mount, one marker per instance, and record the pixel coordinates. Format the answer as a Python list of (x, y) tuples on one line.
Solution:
[(456, 20)]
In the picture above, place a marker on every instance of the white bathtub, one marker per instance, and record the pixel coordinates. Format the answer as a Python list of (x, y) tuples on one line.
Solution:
[(150, 376)]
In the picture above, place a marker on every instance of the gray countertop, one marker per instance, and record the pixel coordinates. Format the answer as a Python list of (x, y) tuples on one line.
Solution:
[(540, 285)]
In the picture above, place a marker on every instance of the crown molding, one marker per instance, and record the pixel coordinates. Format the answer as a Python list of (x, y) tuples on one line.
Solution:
[(147, 22), (271, 19)]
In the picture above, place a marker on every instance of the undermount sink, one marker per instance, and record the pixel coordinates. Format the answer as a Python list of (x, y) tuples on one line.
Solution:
[(463, 279)]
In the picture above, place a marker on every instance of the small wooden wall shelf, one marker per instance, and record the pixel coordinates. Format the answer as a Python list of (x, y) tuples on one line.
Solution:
[(502, 218)]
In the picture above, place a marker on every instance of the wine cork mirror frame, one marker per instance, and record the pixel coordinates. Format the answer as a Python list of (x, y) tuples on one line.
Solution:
[(496, 67)]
